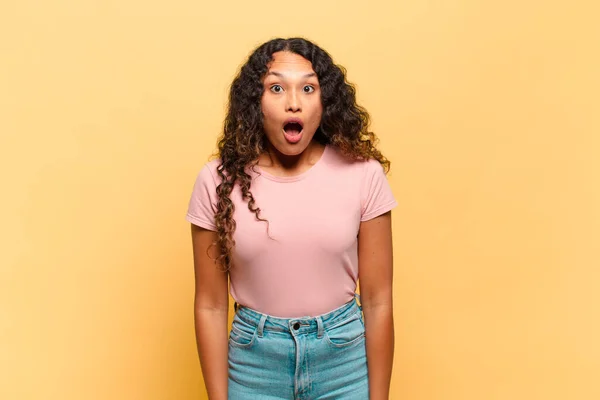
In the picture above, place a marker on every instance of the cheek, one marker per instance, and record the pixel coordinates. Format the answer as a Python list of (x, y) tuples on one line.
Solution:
[(317, 114), (268, 108), (318, 107), (266, 111)]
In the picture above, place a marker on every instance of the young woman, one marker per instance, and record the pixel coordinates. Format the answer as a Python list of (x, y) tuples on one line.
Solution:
[(295, 209)]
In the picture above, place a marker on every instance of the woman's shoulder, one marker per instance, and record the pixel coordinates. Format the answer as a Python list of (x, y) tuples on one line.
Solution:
[(212, 165), (340, 160), (208, 174)]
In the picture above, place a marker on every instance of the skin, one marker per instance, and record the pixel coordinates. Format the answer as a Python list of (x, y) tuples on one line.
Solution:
[(292, 90), (211, 308), (375, 271)]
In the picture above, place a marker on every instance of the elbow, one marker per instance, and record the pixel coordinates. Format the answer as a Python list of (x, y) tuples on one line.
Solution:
[(379, 299), (205, 305)]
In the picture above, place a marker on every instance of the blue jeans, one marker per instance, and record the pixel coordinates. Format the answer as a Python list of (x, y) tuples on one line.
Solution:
[(321, 357)]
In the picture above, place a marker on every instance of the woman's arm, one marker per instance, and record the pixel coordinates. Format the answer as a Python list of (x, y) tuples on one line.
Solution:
[(211, 304), (375, 275)]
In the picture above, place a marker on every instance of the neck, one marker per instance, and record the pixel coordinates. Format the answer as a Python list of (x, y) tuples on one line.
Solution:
[(275, 160)]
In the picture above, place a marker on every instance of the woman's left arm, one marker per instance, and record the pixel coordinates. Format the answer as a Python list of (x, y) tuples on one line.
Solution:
[(375, 264)]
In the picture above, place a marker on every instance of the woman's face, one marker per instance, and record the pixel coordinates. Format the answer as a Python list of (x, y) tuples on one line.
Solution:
[(291, 103)]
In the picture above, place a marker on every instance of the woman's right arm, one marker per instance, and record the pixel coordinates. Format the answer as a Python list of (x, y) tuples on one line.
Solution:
[(211, 305)]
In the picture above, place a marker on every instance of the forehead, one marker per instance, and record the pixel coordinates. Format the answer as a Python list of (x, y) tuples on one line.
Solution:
[(285, 62)]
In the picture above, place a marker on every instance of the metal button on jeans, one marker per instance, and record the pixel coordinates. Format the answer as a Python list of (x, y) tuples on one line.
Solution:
[(296, 365)]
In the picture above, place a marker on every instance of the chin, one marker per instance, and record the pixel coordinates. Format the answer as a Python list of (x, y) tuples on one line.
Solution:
[(288, 149)]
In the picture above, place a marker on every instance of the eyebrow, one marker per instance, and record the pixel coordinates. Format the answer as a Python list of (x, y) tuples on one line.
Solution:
[(280, 75)]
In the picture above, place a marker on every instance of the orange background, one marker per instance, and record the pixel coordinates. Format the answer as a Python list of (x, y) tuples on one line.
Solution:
[(489, 112)]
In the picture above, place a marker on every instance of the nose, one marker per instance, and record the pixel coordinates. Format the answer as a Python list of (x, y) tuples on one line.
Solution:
[(293, 101)]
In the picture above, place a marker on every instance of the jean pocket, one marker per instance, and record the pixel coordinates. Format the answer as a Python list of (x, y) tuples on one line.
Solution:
[(242, 334), (348, 332)]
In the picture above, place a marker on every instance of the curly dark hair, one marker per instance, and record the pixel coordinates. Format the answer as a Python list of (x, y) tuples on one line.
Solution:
[(344, 125)]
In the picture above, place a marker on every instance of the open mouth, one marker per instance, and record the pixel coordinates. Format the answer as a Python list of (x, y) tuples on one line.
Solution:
[(292, 130)]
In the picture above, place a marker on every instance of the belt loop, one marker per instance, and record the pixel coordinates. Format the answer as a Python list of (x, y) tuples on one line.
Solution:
[(319, 327), (360, 309), (261, 325), (357, 296)]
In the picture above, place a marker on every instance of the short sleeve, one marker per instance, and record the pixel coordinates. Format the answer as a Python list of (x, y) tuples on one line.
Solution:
[(203, 202), (377, 197)]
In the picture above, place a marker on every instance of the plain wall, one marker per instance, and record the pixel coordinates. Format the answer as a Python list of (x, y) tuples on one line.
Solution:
[(487, 110)]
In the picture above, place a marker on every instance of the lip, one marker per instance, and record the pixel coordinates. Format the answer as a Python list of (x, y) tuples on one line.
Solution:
[(294, 121), (293, 138)]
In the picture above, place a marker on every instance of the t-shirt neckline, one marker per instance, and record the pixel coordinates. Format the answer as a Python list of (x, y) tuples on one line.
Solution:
[(294, 178)]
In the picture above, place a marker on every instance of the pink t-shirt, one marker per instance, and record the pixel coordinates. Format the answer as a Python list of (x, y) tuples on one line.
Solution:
[(309, 266)]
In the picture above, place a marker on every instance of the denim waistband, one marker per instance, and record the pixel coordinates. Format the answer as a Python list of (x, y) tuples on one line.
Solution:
[(300, 324)]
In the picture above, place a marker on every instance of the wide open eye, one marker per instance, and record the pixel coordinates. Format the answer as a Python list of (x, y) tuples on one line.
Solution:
[(308, 89), (276, 89)]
